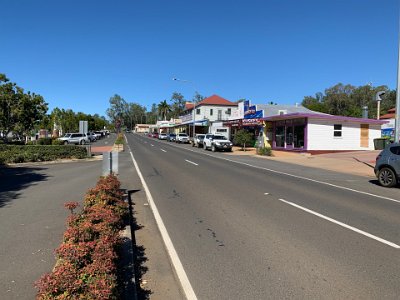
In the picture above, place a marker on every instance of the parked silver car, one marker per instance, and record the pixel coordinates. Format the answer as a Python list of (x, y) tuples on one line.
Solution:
[(387, 166), (74, 138), (198, 140)]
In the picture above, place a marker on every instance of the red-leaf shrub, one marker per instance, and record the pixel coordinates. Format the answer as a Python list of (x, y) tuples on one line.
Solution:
[(86, 260)]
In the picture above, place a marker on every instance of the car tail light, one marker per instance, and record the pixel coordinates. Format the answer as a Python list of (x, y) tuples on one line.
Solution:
[(378, 157)]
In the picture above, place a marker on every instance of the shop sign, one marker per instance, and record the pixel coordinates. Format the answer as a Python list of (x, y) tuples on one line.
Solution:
[(186, 118), (251, 112), (232, 123), (252, 122)]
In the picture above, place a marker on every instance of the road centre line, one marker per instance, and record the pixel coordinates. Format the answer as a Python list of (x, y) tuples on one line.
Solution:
[(163, 150), (180, 271), (342, 224), (193, 163)]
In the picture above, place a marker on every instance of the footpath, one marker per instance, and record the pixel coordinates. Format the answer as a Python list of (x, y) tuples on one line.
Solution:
[(353, 162)]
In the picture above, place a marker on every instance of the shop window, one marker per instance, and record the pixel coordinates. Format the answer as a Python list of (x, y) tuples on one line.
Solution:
[(289, 136), (337, 130), (280, 136), (197, 111), (219, 114), (211, 112)]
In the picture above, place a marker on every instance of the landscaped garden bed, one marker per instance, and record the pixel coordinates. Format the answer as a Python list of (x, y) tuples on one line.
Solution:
[(86, 266), (33, 153)]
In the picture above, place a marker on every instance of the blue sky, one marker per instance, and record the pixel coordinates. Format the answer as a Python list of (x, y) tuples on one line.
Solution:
[(77, 54)]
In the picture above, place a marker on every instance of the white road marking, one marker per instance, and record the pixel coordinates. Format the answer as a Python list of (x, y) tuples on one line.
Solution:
[(294, 176), (180, 271), (152, 145), (343, 224), (190, 162), (266, 193), (299, 177), (163, 150)]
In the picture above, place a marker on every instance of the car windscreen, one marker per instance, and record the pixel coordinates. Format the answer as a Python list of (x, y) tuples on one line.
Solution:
[(219, 137), (183, 134), (172, 134)]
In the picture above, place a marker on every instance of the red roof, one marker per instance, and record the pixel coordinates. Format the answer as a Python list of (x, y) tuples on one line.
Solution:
[(189, 105), (390, 115), (216, 100)]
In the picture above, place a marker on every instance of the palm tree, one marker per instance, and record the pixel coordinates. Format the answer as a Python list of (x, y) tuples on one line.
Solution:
[(163, 109)]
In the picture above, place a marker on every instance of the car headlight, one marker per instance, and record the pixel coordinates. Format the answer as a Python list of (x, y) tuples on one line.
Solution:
[(217, 143)]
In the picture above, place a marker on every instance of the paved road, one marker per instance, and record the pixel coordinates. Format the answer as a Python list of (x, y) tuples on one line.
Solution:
[(32, 219), (246, 228)]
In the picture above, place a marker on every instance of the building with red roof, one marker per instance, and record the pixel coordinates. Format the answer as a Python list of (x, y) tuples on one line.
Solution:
[(210, 109)]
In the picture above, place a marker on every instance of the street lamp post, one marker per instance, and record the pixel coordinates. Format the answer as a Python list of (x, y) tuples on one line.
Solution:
[(194, 103), (397, 117)]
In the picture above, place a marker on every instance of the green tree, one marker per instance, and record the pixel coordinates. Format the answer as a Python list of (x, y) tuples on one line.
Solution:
[(348, 100), (197, 98), (243, 137), (164, 109), (19, 111), (178, 104), (136, 113), (117, 110)]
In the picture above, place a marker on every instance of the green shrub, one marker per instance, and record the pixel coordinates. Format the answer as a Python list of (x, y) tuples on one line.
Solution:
[(120, 139), (243, 138), (44, 141), (56, 142), (264, 151), (31, 153)]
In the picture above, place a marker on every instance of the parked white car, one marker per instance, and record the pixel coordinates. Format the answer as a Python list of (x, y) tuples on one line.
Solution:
[(217, 142), (182, 138), (162, 136)]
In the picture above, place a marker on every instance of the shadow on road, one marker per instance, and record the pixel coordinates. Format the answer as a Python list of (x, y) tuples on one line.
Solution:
[(134, 259), (15, 179)]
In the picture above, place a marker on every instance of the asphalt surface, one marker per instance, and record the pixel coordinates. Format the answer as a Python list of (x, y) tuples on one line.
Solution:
[(248, 228), (32, 219)]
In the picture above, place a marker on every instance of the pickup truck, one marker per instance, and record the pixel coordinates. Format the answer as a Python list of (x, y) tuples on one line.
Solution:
[(216, 142)]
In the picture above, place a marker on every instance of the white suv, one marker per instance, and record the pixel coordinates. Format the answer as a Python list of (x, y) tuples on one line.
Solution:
[(74, 138), (216, 142), (182, 138)]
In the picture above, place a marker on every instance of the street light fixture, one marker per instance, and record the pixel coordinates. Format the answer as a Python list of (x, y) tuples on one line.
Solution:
[(378, 98), (194, 103)]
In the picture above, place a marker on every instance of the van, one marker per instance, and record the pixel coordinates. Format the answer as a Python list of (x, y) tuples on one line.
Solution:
[(222, 131)]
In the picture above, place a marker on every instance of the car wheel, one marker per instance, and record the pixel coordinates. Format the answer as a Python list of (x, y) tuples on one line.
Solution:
[(213, 148), (198, 145), (204, 146), (81, 142), (387, 177)]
